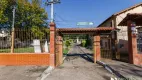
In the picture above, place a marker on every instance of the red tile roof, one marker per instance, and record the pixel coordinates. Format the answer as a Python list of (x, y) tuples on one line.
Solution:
[(135, 17), (86, 29)]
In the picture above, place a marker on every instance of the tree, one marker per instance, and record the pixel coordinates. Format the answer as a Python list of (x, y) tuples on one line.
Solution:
[(3, 17), (27, 14)]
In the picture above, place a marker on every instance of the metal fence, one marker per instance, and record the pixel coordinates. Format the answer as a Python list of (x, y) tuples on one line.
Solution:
[(25, 41), (139, 42)]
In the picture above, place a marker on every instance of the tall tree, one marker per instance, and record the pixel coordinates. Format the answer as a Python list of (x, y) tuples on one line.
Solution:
[(3, 17), (27, 14)]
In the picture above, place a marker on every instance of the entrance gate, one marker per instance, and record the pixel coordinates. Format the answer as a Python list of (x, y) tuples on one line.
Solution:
[(139, 42), (106, 51), (96, 41)]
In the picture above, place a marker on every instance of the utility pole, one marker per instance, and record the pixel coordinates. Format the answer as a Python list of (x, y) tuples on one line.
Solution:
[(52, 11), (52, 2), (13, 30)]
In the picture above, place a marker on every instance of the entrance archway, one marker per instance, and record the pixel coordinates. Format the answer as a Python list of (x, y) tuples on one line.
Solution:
[(95, 32)]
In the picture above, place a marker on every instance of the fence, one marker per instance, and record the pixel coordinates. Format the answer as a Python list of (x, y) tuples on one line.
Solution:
[(25, 40), (27, 44)]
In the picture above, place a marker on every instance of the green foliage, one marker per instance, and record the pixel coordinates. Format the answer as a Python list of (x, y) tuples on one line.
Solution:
[(3, 6), (39, 33), (27, 14), (67, 43), (83, 43), (19, 50), (71, 41), (30, 15), (65, 51)]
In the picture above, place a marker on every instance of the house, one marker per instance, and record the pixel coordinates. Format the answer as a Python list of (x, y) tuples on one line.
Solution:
[(3, 33), (114, 20)]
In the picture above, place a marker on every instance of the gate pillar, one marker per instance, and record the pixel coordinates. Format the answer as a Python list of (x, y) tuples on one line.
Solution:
[(52, 43), (132, 44), (59, 50), (97, 50)]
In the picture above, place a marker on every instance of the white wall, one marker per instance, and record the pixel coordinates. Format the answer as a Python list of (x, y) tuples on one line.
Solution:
[(123, 32), (108, 23)]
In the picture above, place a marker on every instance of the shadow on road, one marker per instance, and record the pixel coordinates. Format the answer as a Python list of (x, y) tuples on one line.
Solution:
[(86, 56)]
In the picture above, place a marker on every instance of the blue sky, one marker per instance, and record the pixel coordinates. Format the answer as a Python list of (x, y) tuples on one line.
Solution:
[(69, 12)]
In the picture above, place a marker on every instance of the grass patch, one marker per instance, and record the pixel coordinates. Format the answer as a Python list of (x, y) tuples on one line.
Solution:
[(19, 50), (65, 51)]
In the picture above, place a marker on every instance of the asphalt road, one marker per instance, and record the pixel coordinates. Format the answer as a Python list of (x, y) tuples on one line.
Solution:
[(78, 66)]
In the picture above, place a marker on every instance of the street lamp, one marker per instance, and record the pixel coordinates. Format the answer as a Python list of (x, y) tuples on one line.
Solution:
[(14, 2)]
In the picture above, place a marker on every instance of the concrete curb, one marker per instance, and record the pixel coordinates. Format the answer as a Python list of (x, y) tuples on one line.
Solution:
[(111, 70), (46, 73)]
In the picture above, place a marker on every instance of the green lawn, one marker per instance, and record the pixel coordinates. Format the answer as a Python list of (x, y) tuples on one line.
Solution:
[(19, 50)]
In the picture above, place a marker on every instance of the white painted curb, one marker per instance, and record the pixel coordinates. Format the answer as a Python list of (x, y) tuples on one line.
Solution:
[(46, 73)]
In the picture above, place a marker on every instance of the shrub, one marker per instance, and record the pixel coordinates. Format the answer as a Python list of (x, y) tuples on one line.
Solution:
[(83, 43), (67, 43)]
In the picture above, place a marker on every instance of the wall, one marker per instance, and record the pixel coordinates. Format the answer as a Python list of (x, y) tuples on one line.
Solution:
[(16, 59), (108, 23), (138, 59)]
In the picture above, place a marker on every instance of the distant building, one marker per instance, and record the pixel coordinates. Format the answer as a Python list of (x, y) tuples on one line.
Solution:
[(114, 20), (3, 33)]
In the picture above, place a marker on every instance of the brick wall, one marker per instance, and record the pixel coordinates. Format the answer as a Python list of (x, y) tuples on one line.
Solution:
[(24, 59)]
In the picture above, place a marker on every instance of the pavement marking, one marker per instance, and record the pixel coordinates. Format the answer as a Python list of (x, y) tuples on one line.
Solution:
[(46, 73)]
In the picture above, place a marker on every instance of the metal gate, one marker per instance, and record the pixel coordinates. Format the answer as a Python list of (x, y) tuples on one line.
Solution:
[(139, 42), (106, 48)]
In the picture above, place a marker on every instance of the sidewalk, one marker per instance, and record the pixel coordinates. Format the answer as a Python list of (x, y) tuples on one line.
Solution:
[(21, 72), (127, 70)]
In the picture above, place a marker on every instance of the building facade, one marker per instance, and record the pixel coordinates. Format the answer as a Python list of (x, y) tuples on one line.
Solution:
[(114, 20)]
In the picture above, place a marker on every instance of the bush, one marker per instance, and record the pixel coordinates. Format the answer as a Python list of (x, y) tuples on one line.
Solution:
[(83, 43), (67, 43)]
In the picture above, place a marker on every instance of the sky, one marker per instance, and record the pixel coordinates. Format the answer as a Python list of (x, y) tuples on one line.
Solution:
[(69, 12)]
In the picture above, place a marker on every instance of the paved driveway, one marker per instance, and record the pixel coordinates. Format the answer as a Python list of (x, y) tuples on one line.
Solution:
[(77, 66)]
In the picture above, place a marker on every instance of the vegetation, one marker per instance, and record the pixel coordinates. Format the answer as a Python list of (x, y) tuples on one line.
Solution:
[(19, 50), (28, 15), (65, 51), (30, 21), (83, 43), (67, 43)]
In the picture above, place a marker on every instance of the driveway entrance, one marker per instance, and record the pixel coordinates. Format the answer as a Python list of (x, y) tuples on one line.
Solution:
[(79, 66), (94, 32)]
